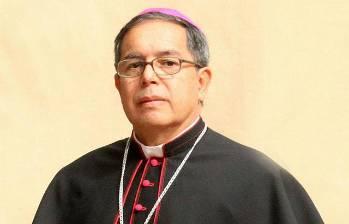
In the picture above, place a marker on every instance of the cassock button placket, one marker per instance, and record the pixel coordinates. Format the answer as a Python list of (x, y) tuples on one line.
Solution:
[(140, 208), (147, 183), (155, 162)]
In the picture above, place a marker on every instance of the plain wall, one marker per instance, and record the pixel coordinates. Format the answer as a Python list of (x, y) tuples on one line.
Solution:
[(280, 84)]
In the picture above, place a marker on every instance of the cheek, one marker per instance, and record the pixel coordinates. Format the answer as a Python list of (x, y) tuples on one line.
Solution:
[(126, 95), (185, 95)]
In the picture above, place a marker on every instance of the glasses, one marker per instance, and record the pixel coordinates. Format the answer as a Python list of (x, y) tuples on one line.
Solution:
[(162, 66)]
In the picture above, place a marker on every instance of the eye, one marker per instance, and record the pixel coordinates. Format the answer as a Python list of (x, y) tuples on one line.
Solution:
[(168, 62), (135, 65)]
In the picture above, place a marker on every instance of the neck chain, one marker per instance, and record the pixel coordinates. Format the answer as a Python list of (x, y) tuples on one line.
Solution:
[(121, 188)]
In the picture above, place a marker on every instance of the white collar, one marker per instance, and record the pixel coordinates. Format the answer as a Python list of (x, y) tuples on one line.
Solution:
[(156, 151)]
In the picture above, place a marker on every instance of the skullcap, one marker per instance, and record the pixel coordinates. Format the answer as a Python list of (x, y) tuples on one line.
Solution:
[(171, 12)]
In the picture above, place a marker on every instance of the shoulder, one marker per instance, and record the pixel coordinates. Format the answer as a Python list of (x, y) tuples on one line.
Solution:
[(240, 157), (96, 162), (255, 180), (244, 164)]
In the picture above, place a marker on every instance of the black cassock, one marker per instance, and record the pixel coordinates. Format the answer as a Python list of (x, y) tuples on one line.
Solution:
[(222, 182)]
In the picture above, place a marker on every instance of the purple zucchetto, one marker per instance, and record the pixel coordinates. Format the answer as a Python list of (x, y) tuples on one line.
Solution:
[(170, 12)]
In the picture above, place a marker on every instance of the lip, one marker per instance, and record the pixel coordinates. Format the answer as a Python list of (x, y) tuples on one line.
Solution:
[(150, 99)]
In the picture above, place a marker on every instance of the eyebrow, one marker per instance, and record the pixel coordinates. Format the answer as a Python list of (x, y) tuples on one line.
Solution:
[(133, 55), (168, 53), (136, 55)]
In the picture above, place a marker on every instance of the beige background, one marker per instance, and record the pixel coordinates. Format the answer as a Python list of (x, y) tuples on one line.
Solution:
[(280, 85)]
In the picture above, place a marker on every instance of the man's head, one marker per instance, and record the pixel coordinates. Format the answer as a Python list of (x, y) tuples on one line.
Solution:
[(150, 100), (196, 40)]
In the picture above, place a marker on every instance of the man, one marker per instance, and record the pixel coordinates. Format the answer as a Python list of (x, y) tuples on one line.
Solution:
[(172, 169)]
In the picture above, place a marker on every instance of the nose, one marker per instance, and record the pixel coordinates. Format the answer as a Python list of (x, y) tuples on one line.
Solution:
[(149, 76)]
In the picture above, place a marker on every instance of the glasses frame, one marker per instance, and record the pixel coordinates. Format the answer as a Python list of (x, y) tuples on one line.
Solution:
[(151, 63)]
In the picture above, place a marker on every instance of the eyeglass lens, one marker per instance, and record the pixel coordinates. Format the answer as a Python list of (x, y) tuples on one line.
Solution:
[(161, 66)]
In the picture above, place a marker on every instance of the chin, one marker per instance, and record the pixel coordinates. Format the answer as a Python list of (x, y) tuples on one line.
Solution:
[(153, 120)]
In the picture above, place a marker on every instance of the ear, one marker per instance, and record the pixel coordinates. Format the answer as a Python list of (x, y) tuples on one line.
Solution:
[(204, 79), (117, 81)]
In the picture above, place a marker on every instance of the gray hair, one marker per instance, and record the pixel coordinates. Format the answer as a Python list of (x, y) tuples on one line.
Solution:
[(196, 40)]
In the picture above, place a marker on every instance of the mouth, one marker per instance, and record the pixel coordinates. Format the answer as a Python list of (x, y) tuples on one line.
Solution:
[(151, 100)]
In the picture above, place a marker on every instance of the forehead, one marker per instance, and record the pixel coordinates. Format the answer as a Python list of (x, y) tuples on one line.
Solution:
[(152, 37)]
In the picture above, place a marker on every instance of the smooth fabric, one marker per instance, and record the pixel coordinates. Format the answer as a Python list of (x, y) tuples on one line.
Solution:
[(222, 182)]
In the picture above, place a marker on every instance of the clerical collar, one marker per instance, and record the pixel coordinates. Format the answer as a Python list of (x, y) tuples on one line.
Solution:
[(175, 145)]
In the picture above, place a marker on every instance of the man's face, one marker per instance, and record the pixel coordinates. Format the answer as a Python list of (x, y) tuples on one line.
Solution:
[(150, 101)]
